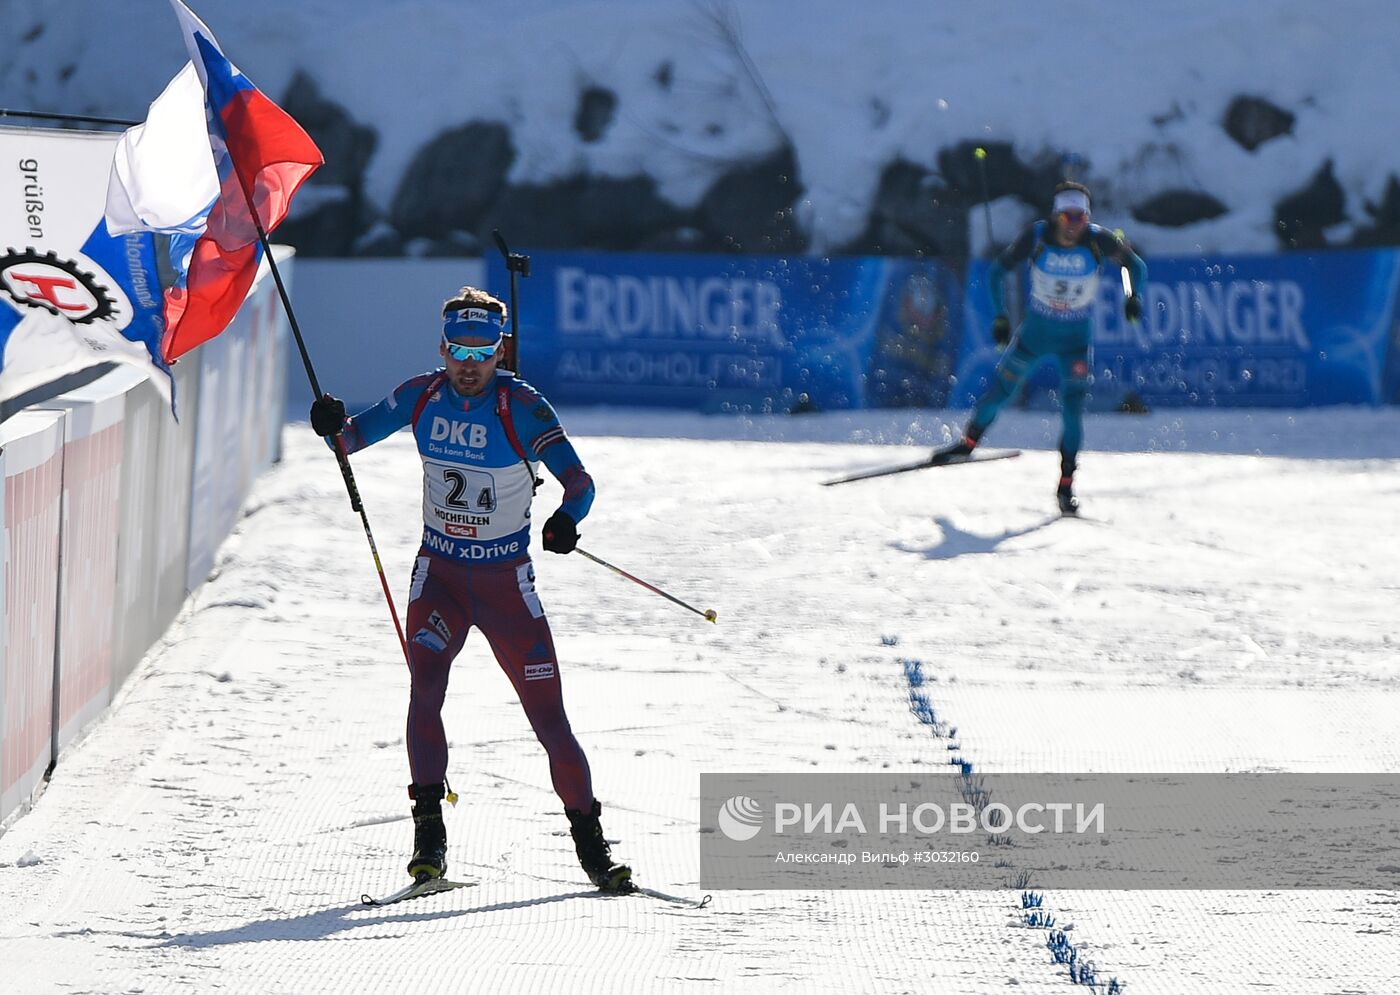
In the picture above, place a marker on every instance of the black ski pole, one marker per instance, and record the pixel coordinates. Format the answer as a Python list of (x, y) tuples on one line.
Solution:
[(518, 265), (980, 154), (709, 614)]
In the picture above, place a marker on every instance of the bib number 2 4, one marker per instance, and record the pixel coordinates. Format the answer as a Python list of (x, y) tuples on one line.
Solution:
[(463, 483)]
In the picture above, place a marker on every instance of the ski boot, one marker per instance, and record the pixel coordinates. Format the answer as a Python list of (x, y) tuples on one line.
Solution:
[(594, 854), (429, 833), (960, 449), (1064, 494)]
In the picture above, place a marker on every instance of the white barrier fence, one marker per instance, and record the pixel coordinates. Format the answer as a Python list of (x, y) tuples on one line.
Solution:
[(113, 513)]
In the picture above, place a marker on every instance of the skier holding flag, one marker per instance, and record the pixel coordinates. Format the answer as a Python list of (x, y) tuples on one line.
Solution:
[(481, 432), (1064, 255)]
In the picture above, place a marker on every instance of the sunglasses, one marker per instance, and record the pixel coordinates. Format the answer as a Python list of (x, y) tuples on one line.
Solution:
[(1074, 217), (478, 353)]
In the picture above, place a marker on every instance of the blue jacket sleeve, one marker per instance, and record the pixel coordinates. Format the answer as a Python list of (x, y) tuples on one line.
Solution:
[(1117, 249), (1012, 256), (538, 429), (996, 289), (379, 421), (1137, 270)]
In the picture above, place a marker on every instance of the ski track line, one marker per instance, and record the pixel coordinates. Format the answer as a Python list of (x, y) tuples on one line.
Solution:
[(1081, 970)]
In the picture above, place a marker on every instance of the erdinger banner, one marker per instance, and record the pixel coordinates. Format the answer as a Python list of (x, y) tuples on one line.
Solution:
[(755, 332), (1265, 331), (71, 295)]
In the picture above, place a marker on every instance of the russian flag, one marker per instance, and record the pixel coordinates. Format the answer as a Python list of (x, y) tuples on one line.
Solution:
[(248, 149)]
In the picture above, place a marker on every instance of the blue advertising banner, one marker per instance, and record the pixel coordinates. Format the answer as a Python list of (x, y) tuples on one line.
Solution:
[(1265, 331), (742, 333)]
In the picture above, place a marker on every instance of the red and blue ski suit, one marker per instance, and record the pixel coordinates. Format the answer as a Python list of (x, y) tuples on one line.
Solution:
[(473, 568)]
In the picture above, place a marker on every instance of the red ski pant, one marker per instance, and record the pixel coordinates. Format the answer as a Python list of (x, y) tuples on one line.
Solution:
[(447, 598)]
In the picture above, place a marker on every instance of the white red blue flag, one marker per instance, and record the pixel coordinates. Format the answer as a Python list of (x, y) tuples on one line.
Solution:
[(198, 190)]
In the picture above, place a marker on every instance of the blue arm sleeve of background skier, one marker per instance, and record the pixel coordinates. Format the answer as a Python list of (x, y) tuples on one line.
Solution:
[(1116, 248), (1010, 258), (1137, 271), (536, 421), (996, 289)]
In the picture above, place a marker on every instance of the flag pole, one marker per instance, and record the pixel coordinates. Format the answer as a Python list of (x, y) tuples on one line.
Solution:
[(341, 456), (68, 118)]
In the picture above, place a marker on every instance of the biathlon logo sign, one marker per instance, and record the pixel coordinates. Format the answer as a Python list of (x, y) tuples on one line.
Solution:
[(72, 295), (62, 286)]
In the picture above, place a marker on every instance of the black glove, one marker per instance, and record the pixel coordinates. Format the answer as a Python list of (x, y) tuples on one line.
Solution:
[(560, 533), (1001, 330), (1132, 308), (327, 415)]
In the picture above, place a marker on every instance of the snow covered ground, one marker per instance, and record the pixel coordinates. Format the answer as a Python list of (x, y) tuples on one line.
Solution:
[(1230, 606)]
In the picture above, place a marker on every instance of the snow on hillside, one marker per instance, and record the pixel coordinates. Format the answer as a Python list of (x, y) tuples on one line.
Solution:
[(1137, 92)]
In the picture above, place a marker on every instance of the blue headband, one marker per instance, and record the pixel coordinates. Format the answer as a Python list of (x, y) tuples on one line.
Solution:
[(470, 321)]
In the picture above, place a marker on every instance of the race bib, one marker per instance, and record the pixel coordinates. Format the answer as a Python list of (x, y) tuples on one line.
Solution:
[(468, 502), (1062, 294)]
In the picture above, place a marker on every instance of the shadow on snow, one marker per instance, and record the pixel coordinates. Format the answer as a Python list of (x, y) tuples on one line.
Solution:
[(955, 542)]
